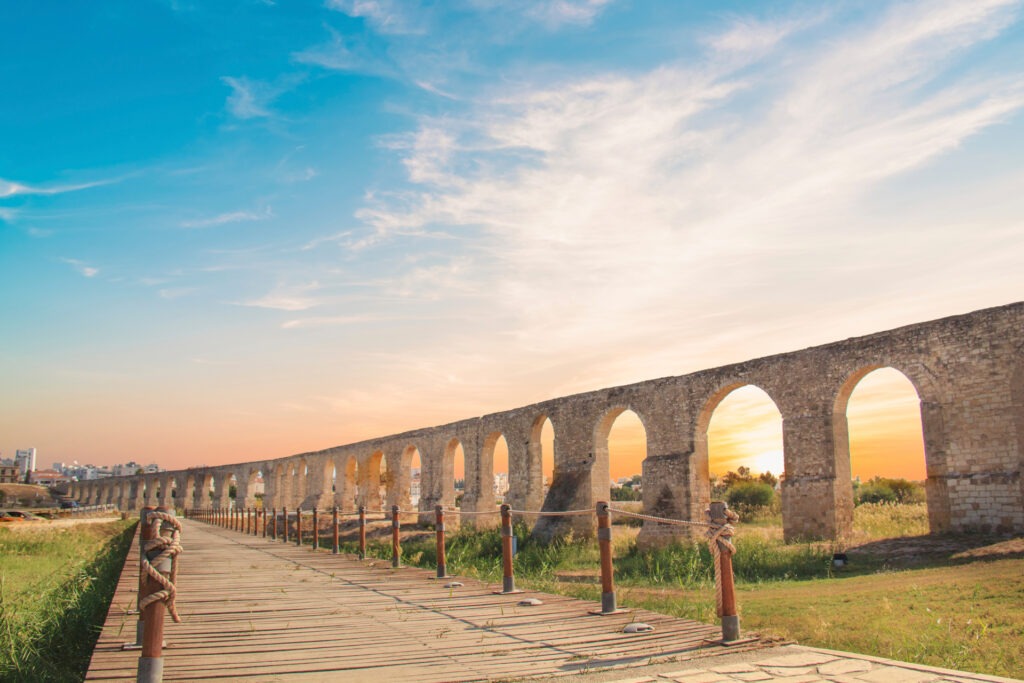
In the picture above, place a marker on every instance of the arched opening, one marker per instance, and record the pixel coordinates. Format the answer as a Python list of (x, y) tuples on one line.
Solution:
[(279, 481), (541, 461), (496, 473), (455, 474), (739, 449), (232, 499), (620, 447), (878, 430)]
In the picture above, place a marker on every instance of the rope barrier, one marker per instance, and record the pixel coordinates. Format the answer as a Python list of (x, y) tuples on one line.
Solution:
[(170, 548), (560, 513), (460, 511), (719, 536), (660, 520)]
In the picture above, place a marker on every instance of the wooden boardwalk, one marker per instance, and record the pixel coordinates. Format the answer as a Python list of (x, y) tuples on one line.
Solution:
[(258, 610)]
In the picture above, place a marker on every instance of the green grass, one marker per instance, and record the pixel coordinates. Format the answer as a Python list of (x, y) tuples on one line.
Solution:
[(940, 609), (55, 587)]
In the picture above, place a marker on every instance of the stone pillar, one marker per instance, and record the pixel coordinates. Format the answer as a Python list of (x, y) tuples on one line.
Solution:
[(572, 486), (671, 481), (816, 502)]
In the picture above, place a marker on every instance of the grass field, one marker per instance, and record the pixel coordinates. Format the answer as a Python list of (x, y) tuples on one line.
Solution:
[(55, 586), (946, 601)]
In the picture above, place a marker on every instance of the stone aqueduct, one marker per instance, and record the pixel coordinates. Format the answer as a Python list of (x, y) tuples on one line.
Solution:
[(968, 371)]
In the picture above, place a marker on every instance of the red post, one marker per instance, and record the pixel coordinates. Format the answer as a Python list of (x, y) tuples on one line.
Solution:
[(362, 532), (719, 516), (442, 565), (396, 542), (316, 530), (334, 530), (273, 521), (298, 525), (604, 542), (151, 663), (508, 581), (284, 521)]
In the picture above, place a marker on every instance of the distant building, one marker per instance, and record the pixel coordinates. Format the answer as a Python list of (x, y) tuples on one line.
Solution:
[(48, 478), (26, 462), (500, 485), (9, 473)]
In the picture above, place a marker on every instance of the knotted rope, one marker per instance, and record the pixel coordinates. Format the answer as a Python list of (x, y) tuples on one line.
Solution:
[(170, 548), (719, 535)]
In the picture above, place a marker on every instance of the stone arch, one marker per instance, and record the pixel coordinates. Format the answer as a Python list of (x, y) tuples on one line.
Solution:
[(450, 495), (488, 494), (536, 491), (936, 489), (701, 454), (601, 477)]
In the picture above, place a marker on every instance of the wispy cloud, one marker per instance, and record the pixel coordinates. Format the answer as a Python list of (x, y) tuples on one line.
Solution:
[(9, 188), (720, 184), (385, 16), (287, 298), (330, 321), (81, 267), (557, 13), (229, 217), (251, 99)]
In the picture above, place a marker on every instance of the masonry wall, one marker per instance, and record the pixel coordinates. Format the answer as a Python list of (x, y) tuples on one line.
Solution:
[(968, 372)]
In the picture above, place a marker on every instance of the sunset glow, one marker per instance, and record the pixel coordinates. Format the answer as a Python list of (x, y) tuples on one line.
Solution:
[(236, 233)]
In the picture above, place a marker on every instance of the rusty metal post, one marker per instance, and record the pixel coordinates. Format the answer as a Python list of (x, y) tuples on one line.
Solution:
[(316, 530), (144, 535), (442, 564), (508, 580), (334, 530), (151, 663), (362, 532), (298, 525), (273, 528), (284, 521), (604, 542), (730, 619), (263, 512), (396, 542)]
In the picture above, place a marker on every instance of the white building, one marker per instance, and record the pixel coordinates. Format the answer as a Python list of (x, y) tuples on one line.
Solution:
[(26, 461)]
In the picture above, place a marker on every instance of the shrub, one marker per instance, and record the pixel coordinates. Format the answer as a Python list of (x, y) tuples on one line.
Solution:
[(749, 495), (875, 492)]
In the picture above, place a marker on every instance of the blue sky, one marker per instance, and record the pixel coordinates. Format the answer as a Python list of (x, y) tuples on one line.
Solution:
[(241, 230)]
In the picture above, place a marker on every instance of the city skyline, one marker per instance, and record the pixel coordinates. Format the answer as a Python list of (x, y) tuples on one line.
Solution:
[(239, 235)]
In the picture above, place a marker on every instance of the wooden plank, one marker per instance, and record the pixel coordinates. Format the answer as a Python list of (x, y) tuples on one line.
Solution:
[(254, 609)]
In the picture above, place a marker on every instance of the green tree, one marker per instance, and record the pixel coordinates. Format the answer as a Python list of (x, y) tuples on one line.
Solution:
[(748, 495)]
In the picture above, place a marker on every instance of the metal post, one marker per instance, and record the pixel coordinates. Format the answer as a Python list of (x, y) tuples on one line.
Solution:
[(298, 525), (396, 543), (604, 543), (362, 532), (264, 512), (316, 530), (508, 581), (730, 619), (151, 663), (144, 535), (334, 530), (273, 528), (442, 565), (284, 521)]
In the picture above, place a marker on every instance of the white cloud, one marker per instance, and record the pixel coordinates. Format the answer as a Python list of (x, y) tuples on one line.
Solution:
[(9, 188), (628, 208), (250, 99), (229, 217), (386, 16), (81, 267), (287, 298), (556, 13)]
